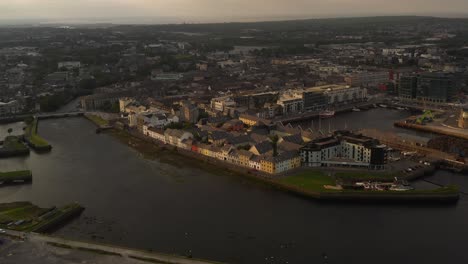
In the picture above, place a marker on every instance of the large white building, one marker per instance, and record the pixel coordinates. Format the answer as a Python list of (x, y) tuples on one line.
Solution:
[(345, 149), (342, 94), (291, 102), (321, 97)]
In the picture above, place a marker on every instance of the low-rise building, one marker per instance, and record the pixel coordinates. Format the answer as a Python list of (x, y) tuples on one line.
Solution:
[(155, 133), (176, 137), (97, 101), (10, 108)]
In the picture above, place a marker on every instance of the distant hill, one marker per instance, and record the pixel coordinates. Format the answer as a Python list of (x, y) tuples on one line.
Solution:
[(309, 24)]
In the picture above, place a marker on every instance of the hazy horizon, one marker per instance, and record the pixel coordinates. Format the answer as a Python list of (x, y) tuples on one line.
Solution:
[(193, 11)]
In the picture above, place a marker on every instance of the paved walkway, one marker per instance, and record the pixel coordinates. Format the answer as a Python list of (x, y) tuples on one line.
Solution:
[(126, 253)]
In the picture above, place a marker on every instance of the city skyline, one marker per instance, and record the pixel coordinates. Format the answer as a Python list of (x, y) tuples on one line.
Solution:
[(179, 11)]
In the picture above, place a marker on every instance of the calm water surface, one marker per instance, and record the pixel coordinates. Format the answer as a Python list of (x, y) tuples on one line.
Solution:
[(174, 208)]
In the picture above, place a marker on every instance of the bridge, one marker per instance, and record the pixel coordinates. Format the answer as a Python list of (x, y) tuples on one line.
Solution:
[(59, 115), (16, 118)]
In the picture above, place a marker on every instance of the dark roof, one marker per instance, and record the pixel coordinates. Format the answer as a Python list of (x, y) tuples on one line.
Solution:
[(322, 143), (264, 147), (282, 157), (239, 140), (296, 139), (218, 135)]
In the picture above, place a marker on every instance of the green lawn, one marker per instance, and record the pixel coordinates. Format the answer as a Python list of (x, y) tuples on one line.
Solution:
[(13, 212), (365, 175), (13, 143), (309, 181), (98, 120), (15, 175), (33, 137), (314, 181)]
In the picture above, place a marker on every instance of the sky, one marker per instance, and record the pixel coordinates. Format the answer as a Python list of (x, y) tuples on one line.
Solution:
[(221, 10)]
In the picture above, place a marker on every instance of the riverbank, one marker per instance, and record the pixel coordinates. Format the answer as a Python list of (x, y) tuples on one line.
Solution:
[(441, 130), (33, 139), (318, 185), (60, 250), (158, 150), (26, 217), (15, 177)]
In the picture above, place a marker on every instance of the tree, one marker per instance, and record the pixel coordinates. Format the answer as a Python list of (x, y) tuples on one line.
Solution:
[(274, 142), (10, 130)]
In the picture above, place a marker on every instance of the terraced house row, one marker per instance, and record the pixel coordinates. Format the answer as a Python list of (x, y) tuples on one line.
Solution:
[(275, 148), (258, 156)]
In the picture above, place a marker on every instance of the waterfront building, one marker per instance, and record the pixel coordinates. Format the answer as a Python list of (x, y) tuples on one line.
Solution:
[(244, 157), (291, 103), (233, 157), (281, 163), (407, 88), (152, 120), (345, 149), (175, 137), (97, 101), (463, 118), (255, 162), (428, 87), (342, 94), (9, 108), (154, 133), (262, 148), (314, 99), (436, 88)]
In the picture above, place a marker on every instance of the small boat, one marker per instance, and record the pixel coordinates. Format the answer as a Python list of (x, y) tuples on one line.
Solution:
[(327, 114), (383, 105), (401, 188), (400, 108), (355, 109)]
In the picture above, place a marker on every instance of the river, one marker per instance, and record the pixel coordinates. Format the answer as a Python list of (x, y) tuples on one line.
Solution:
[(176, 208), (378, 118)]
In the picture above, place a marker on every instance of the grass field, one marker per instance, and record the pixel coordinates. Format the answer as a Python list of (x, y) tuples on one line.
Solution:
[(98, 120), (15, 175), (314, 181), (31, 216), (365, 175), (33, 137), (13, 143), (309, 181)]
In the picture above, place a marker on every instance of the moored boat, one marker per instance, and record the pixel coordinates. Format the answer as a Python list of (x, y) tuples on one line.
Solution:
[(327, 114)]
